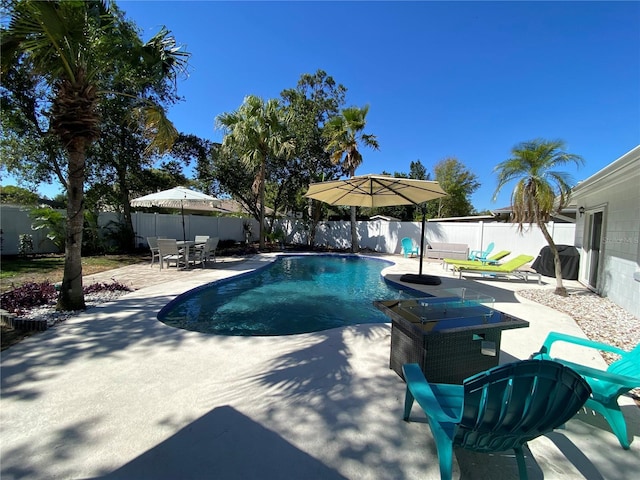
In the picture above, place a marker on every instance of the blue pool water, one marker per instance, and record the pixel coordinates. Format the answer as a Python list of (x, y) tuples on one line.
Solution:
[(296, 294)]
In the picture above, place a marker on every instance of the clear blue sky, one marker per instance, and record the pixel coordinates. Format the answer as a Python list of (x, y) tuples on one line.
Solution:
[(442, 79)]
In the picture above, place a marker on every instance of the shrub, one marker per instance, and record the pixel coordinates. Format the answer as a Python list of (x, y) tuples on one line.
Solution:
[(25, 244), (28, 296), (53, 221), (106, 287), (33, 294)]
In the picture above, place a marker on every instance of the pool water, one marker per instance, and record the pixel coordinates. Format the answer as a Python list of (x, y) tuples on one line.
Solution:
[(296, 294)]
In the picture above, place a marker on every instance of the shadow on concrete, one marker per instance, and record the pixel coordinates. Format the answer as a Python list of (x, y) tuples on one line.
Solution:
[(224, 443)]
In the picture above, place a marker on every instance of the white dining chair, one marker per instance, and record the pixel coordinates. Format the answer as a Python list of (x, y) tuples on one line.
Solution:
[(207, 251), (153, 246), (169, 252)]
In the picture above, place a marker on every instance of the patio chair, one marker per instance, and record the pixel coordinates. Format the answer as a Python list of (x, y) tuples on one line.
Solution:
[(620, 377), (169, 252), (153, 246), (201, 238), (481, 254), (408, 248), (205, 252), (511, 268), (492, 260), (500, 409)]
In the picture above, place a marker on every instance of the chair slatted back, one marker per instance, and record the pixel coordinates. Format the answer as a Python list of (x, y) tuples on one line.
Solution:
[(168, 247), (628, 365), (514, 403)]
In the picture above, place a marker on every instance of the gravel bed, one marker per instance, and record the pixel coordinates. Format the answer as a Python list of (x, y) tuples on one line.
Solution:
[(48, 312), (599, 318)]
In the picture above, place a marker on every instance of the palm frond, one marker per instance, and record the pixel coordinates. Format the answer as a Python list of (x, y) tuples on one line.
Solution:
[(157, 127)]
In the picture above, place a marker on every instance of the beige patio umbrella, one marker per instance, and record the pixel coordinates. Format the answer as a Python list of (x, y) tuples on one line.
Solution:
[(381, 191), (178, 197)]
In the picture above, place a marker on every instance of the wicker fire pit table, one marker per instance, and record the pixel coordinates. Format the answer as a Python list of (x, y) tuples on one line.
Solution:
[(451, 338)]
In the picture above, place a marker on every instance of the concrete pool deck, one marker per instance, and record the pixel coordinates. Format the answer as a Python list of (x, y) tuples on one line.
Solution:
[(114, 393)]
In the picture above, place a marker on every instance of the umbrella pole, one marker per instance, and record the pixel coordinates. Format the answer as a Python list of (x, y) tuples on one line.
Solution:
[(420, 278), (184, 235), (424, 213)]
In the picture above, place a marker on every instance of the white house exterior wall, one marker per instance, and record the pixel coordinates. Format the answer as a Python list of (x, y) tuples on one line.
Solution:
[(615, 190)]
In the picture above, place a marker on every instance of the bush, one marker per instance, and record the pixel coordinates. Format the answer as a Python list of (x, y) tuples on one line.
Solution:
[(33, 294), (106, 287), (25, 244), (28, 296)]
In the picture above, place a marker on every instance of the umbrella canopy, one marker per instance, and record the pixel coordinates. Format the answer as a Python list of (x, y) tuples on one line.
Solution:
[(375, 191), (381, 191), (178, 197)]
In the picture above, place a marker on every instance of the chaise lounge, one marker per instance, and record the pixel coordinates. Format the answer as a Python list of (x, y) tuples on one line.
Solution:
[(512, 268), (492, 260)]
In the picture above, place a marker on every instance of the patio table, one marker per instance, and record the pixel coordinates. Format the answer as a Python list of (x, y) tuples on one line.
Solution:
[(451, 338), (187, 244)]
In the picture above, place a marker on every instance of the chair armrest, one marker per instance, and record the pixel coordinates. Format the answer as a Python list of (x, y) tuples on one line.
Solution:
[(563, 337), (428, 400), (624, 381)]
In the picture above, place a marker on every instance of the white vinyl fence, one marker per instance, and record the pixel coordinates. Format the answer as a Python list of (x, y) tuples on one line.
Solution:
[(377, 235)]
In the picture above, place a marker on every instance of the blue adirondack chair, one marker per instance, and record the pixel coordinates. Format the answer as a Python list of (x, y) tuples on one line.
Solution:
[(408, 248), (500, 409), (481, 255), (620, 377)]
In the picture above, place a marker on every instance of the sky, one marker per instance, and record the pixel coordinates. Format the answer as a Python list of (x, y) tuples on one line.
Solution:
[(468, 80)]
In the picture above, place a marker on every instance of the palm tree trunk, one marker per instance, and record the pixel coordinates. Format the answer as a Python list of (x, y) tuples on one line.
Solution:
[(354, 231), (560, 289), (71, 294), (263, 174)]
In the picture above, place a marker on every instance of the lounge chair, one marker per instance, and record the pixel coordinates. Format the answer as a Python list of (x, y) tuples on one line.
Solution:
[(620, 377), (500, 409), (481, 254), (507, 269), (408, 248), (492, 260)]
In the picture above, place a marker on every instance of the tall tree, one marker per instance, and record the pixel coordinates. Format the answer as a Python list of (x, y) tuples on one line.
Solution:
[(459, 183), (344, 133), (540, 189), (71, 46), (18, 196), (123, 149), (316, 98), (256, 132)]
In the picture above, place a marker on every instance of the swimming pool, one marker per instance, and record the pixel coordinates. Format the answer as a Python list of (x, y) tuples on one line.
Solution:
[(295, 294)]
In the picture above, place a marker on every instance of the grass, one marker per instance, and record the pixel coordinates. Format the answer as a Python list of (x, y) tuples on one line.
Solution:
[(16, 271)]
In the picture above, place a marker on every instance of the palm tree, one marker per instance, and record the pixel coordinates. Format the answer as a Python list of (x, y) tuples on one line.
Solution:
[(343, 133), (256, 132), (540, 189), (70, 44)]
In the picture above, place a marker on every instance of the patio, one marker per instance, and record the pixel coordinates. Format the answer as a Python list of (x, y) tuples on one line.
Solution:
[(113, 393)]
